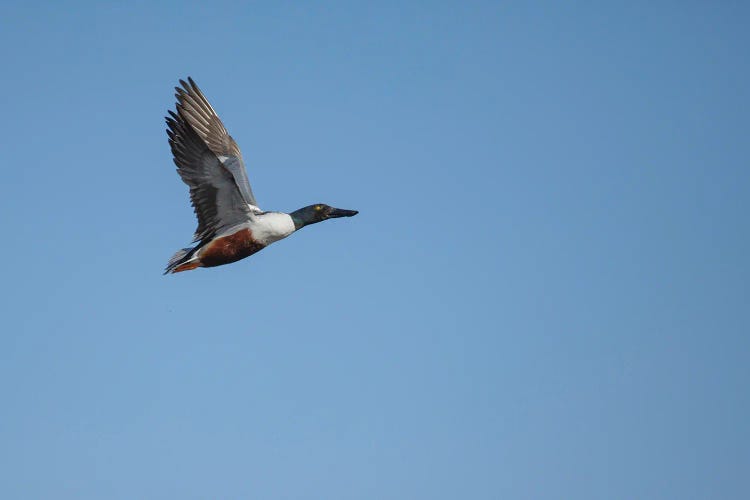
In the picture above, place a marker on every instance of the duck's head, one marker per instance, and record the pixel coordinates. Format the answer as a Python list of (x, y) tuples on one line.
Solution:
[(317, 213)]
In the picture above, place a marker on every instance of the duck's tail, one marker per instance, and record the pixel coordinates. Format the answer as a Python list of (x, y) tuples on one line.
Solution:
[(183, 260)]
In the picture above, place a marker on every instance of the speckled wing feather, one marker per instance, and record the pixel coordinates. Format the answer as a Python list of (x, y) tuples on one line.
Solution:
[(195, 108), (214, 193)]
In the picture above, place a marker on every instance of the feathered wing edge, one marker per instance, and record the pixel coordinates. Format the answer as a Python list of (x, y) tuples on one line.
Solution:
[(203, 119), (202, 172)]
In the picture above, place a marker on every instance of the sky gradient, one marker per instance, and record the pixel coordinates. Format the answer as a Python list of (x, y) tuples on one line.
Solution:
[(544, 295)]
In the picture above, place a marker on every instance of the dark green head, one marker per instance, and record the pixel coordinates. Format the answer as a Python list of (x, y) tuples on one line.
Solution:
[(317, 213)]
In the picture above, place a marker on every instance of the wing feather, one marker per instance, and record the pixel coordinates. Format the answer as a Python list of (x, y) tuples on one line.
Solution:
[(193, 106), (214, 193)]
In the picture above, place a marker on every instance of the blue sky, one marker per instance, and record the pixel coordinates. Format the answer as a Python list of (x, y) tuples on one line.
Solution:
[(544, 296)]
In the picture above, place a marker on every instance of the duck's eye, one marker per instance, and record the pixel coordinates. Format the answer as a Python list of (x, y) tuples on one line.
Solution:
[(318, 207)]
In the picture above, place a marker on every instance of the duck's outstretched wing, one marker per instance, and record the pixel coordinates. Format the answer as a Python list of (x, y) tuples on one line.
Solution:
[(210, 163), (195, 108)]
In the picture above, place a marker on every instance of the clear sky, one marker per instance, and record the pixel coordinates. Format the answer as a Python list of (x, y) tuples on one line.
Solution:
[(545, 294)]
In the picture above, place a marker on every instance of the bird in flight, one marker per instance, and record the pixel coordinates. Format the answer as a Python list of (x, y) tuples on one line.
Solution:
[(230, 224)]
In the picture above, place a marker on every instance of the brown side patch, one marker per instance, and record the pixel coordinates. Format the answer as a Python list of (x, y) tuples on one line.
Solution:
[(229, 249)]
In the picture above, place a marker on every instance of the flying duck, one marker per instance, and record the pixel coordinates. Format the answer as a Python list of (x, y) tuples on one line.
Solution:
[(230, 224)]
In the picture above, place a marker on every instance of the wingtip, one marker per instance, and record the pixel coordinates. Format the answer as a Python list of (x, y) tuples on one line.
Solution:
[(187, 86)]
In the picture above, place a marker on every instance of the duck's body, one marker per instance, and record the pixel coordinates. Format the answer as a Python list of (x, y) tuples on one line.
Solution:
[(237, 242), (230, 224)]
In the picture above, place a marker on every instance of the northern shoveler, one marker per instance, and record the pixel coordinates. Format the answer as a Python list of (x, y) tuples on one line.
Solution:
[(230, 224)]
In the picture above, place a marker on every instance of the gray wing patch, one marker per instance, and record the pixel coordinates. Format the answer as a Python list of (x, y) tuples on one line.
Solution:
[(236, 167)]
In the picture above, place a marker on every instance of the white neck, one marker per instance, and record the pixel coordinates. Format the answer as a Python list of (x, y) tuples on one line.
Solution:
[(271, 226)]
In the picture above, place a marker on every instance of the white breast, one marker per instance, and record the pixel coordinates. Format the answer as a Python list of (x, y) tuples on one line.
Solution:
[(271, 226)]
